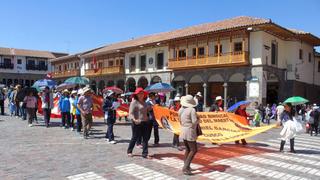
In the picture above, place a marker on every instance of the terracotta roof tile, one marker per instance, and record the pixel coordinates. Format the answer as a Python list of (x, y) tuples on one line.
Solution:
[(25, 52)]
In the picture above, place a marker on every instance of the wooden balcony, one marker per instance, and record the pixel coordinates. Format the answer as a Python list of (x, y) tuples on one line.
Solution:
[(64, 74), (226, 59), (105, 71)]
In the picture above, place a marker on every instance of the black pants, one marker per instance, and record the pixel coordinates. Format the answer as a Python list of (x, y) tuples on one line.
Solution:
[(72, 120), (2, 106), (17, 109), (191, 150), (47, 114), (291, 145), (140, 130), (315, 128), (109, 133), (155, 132), (65, 119), (79, 123), (175, 141)]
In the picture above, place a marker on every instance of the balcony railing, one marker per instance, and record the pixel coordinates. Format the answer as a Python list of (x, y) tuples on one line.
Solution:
[(225, 59), (37, 67), (6, 66), (104, 71), (68, 73)]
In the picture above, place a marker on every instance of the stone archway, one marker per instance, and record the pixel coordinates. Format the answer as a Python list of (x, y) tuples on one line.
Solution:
[(120, 84), (215, 87), (195, 85), (143, 82), (131, 85), (110, 83), (178, 83), (155, 79), (237, 88)]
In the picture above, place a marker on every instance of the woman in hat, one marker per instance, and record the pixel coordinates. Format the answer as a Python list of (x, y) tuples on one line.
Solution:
[(138, 113), (78, 113), (110, 115), (85, 105), (64, 105), (73, 108), (241, 111), (198, 99), (189, 122), (289, 129), (176, 107)]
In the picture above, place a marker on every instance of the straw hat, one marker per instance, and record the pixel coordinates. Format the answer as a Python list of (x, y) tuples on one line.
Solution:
[(110, 93), (177, 98), (80, 91), (218, 98), (86, 89), (74, 92), (65, 91), (188, 101)]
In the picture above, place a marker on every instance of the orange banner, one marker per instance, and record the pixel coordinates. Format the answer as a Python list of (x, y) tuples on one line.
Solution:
[(218, 127)]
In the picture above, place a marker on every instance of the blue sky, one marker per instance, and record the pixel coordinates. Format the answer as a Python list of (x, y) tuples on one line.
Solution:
[(77, 25)]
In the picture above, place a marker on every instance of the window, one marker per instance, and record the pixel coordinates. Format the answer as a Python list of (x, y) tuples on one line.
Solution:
[(194, 52), (216, 49), (132, 63), (160, 61), (309, 57), (76, 65), (110, 63), (143, 60), (59, 67), (274, 53), (7, 61), (182, 53), (65, 67), (318, 66), (121, 62), (237, 46), (300, 54), (19, 61), (201, 51), (100, 64)]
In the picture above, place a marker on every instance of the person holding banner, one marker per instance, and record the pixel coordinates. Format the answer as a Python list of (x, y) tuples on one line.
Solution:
[(85, 105), (189, 124), (241, 111), (176, 107), (152, 120), (217, 106), (138, 113)]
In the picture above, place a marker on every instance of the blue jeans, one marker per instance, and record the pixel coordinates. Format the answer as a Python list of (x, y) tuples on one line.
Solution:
[(23, 113), (110, 134)]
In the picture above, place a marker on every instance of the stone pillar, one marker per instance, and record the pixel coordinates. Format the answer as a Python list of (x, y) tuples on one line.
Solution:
[(204, 95), (187, 88), (225, 86)]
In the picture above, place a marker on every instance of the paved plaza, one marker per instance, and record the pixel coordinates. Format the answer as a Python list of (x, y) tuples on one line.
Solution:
[(56, 153)]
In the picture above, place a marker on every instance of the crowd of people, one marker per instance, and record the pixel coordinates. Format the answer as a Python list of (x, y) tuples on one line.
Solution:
[(76, 108)]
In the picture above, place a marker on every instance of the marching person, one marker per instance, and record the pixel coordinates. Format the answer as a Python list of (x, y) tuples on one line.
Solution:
[(315, 115), (17, 100), (189, 122), (85, 105), (110, 113), (289, 130), (218, 105), (152, 120), (176, 107), (2, 98), (47, 105), (78, 113), (198, 99), (31, 104), (241, 111), (64, 105), (138, 113), (73, 108), (279, 110)]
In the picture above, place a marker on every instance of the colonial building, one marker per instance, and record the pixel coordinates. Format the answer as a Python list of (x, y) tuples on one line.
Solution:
[(238, 58), (20, 66)]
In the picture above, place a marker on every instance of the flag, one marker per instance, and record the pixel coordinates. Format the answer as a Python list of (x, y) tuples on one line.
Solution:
[(95, 66)]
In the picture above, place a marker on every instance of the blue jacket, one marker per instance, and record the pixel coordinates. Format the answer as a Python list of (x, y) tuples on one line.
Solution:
[(107, 108), (64, 104), (75, 103)]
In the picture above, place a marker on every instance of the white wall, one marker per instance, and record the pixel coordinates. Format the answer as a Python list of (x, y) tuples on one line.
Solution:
[(150, 53), (316, 72), (21, 68)]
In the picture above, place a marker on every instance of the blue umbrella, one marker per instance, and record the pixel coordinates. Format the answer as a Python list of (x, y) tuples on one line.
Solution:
[(65, 86), (160, 87), (236, 105), (45, 82)]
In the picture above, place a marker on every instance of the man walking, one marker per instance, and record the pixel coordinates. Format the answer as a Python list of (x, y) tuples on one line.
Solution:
[(85, 106), (47, 105)]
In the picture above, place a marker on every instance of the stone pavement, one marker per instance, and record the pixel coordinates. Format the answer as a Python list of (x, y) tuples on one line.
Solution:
[(56, 153)]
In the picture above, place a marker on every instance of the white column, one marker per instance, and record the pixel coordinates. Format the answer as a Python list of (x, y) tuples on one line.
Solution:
[(187, 88), (225, 86), (204, 95)]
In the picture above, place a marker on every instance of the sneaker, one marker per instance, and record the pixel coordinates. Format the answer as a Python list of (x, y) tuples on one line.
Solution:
[(112, 142), (30, 125), (71, 129), (139, 146)]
